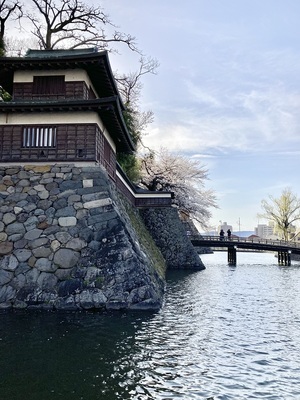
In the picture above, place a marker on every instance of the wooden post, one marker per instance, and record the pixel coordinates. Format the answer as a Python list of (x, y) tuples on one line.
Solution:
[(231, 255), (284, 258), (279, 257), (288, 258)]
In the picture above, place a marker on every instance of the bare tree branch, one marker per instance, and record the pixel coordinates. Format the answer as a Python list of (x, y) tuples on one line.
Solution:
[(75, 24), (8, 9), (130, 87), (130, 84)]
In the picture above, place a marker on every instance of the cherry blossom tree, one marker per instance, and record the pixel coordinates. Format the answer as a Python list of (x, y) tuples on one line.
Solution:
[(185, 177)]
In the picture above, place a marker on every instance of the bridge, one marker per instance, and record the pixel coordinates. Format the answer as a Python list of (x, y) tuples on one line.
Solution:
[(283, 248)]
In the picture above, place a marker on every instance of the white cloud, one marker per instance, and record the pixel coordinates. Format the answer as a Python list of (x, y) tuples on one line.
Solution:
[(260, 119)]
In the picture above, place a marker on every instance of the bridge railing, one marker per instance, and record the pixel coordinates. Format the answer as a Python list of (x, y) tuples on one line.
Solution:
[(237, 239)]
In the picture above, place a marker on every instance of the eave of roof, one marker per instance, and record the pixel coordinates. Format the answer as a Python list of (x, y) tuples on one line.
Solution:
[(108, 109)]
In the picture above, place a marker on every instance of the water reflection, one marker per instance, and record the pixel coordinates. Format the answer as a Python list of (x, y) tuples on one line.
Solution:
[(69, 356), (223, 333)]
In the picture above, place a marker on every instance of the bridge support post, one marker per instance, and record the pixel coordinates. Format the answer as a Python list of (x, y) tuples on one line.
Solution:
[(284, 258), (231, 255)]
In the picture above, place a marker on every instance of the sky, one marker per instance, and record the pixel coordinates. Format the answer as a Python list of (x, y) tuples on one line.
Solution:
[(227, 92)]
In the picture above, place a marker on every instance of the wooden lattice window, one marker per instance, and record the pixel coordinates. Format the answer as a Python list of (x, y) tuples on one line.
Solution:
[(49, 85), (41, 136)]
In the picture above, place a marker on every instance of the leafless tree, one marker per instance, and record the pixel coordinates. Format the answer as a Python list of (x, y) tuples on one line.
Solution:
[(185, 177), (17, 46), (283, 211), (73, 23), (130, 87), (8, 10)]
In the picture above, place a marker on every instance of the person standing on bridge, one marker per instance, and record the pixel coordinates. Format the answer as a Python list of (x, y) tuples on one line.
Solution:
[(229, 234), (221, 234)]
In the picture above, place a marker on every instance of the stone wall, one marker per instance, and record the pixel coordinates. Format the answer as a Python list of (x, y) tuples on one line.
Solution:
[(66, 242), (170, 236)]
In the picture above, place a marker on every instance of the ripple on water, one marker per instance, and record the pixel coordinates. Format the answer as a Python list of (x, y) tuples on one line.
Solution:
[(227, 335), (223, 334)]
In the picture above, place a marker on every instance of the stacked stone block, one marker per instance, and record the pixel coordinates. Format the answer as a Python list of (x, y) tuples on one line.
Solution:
[(66, 243)]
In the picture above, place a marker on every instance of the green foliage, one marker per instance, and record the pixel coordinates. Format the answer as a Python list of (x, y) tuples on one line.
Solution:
[(5, 95), (129, 119), (130, 165)]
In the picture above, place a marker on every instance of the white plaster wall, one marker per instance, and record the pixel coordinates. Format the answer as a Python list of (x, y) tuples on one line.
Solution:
[(70, 75)]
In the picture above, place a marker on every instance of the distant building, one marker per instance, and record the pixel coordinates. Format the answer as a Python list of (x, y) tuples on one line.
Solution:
[(269, 231), (264, 231), (224, 226), (253, 237)]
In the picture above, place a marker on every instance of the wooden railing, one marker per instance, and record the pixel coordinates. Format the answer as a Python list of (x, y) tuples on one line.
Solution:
[(241, 242), (138, 197)]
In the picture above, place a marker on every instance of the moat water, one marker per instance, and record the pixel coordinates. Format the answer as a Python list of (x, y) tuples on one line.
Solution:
[(226, 333)]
